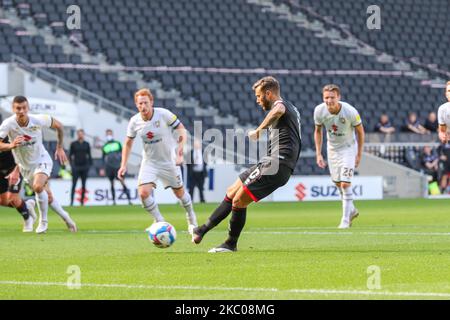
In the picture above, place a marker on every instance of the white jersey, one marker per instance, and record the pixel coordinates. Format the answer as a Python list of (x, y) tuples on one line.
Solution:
[(157, 137), (31, 152), (340, 127), (444, 115)]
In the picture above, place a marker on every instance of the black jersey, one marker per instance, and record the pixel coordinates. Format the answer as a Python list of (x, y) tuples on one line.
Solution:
[(7, 161), (285, 136)]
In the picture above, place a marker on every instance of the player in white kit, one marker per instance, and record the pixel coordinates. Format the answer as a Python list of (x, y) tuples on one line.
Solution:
[(161, 157), (35, 164), (444, 117), (341, 122)]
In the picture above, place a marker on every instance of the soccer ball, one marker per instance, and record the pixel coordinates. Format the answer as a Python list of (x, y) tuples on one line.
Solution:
[(162, 234)]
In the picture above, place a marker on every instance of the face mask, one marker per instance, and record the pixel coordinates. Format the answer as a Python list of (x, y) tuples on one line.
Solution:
[(109, 138)]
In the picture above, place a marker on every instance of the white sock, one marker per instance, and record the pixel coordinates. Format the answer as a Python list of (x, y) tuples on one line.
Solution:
[(186, 202), (42, 203), (347, 204), (151, 206), (59, 210)]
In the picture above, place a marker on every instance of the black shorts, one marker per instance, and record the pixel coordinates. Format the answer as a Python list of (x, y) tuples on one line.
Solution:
[(4, 184), (258, 184)]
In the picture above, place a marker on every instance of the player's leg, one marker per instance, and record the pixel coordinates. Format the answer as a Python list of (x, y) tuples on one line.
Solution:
[(148, 202), (238, 217), (221, 212), (75, 176), (10, 198), (25, 209), (172, 178), (347, 205), (345, 175), (56, 206), (186, 202), (146, 183), (260, 183), (38, 183)]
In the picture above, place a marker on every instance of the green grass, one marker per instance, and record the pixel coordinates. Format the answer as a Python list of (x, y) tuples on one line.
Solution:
[(284, 249)]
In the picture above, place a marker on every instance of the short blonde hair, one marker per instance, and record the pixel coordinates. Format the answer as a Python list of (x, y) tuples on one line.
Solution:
[(332, 87), (143, 92)]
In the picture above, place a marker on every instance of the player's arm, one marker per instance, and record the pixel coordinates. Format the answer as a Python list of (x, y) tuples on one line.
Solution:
[(360, 134), (274, 114), (181, 138), (127, 146), (60, 154), (9, 146), (318, 140)]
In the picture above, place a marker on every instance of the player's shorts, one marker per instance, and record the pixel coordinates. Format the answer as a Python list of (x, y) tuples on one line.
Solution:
[(258, 184), (170, 176), (29, 173), (342, 164), (4, 183)]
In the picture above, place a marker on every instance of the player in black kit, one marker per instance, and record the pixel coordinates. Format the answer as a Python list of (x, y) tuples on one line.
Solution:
[(10, 182), (271, 172)]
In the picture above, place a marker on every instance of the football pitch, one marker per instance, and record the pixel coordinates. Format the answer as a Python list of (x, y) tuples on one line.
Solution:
[(396, 249)]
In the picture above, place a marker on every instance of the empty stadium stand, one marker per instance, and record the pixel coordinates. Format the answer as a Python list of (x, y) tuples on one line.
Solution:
[(239, 35)]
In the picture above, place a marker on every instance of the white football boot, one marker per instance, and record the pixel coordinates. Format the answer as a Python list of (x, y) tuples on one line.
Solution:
[(223, 248), (354, 215), (42, 227), (71, 225), (344, 225)]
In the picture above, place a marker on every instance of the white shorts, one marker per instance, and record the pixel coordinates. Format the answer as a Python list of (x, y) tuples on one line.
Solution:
[(170, 176), (29, 173), (342, 164)]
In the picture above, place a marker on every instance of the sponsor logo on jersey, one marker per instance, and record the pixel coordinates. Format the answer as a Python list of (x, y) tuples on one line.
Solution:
[(27, 137), (150, 135)]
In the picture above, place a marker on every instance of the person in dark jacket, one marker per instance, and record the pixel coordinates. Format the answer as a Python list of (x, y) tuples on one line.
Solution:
[(197, 171), (80, 160)]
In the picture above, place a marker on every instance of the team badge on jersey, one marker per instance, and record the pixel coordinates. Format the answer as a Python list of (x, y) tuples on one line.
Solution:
[(157, 124), (342, 120)]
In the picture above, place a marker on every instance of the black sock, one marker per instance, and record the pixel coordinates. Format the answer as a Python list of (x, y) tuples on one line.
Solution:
[(237, 223), (221, 212), (23, 210)]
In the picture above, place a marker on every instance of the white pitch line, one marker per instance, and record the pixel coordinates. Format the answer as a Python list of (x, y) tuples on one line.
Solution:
[(346, 233), (205, 288), (359, 227), (284, 232)]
